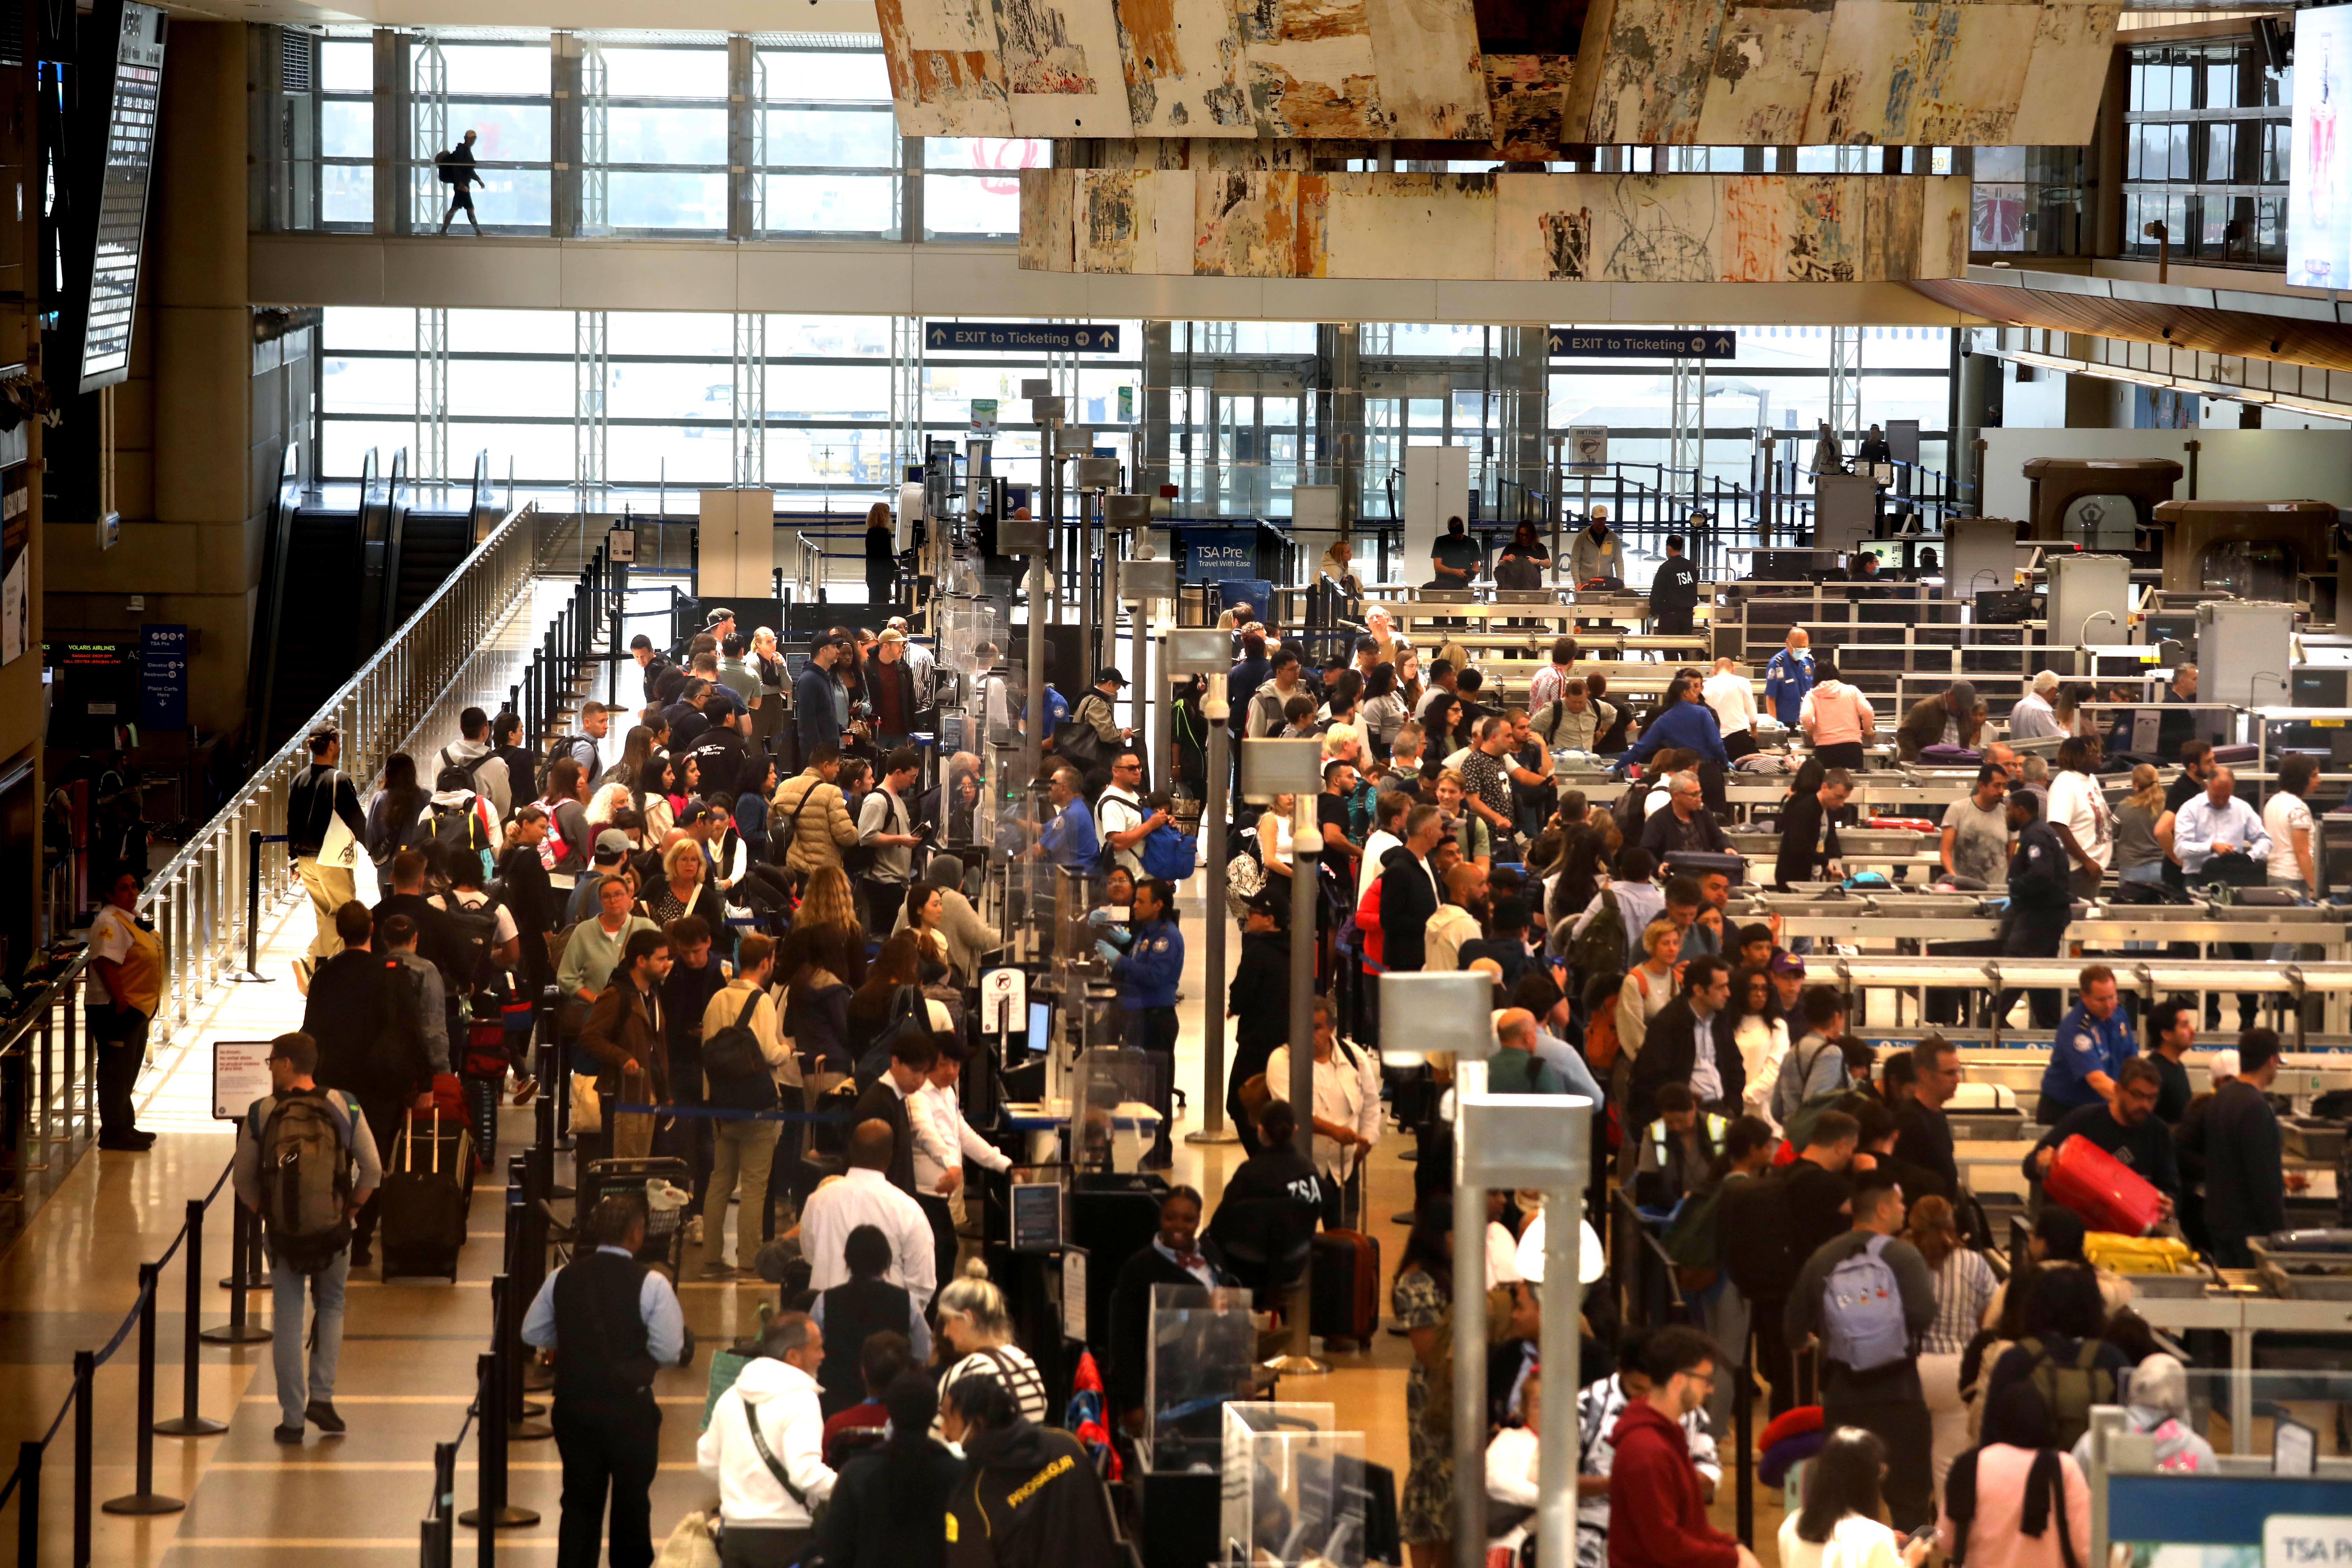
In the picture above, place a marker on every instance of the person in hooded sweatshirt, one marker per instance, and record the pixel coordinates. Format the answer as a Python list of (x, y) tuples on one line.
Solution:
[(1030, 1497), (889, 1508), (1258, 1001), (764, 1446)]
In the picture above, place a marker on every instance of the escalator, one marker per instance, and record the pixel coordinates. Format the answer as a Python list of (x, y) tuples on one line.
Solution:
[(344, 567)]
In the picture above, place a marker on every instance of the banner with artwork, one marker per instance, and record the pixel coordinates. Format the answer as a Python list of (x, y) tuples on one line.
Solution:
[(2319, 181)]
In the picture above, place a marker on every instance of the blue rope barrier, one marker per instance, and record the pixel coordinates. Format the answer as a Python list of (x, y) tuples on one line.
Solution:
[(711, 1113)]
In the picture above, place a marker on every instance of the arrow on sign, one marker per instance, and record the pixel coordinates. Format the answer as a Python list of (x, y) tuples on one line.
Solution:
[(1724, 345), (939, 338), (1556, 344)]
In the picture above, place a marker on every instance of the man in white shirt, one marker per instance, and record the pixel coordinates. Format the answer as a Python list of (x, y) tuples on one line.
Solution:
[(2079, 816), (1388, 810), (865, 1196), (1119, 816), (2214, 822), (944, 1140), (2033, 717), (1346, 1109), (1732, 696)]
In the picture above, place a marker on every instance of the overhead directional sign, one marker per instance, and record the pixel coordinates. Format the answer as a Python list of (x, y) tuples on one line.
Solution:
[(1020, 337), (1676, 342)]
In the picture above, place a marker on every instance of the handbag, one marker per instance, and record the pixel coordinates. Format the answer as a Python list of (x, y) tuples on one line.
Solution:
[(691, 1545), (338, 848), (587, 1105)]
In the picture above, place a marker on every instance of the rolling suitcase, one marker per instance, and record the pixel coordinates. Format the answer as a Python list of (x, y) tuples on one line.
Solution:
[(428, 1187), (1344, 1300), (2107, 1194)]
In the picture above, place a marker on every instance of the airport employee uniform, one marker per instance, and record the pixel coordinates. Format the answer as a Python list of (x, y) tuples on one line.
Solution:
[(1147, 974), (2085, 1046), (613, 1323)]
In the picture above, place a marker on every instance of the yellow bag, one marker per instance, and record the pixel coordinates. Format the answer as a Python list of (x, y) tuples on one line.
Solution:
[(2137, 1253)]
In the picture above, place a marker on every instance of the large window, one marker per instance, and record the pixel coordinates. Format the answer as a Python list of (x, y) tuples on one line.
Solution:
[(971, 185), (653, 138), (2205, 154), (2028, 201), (346, 133), (499, 91), (828, 152)]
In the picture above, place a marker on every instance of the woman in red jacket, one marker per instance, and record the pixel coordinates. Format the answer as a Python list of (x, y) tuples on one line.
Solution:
[(1657, 1515)]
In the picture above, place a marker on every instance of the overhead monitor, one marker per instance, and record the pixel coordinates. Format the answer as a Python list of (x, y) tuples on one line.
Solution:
[(118, 224)]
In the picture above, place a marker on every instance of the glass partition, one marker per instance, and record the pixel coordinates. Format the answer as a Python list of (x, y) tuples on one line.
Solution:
[(1203, 1354), (1292, 1487)]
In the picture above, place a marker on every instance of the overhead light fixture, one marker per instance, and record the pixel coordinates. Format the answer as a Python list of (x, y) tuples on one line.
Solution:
[(2316, 410)]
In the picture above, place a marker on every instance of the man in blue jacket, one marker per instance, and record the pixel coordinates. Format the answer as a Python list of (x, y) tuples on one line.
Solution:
[(1684, 720), (1069, 840), (1789, 676), (1146, 975), (816, 718), (2093, 1042)]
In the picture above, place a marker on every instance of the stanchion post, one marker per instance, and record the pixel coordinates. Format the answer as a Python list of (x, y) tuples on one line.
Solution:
[(491, 1512), (236, 1330), (29, 1502), (85, 1365), (440, 1541), (146, 1500), (520, 1288), (253, 902), (187, 1423), (1743, 1423)]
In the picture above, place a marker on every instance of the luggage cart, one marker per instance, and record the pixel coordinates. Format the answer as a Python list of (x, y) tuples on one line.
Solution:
[(665, 1244)]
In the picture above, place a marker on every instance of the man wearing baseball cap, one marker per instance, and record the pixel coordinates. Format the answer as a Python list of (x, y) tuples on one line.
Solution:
[(1789, 981), (612, 850), (1097, 709)]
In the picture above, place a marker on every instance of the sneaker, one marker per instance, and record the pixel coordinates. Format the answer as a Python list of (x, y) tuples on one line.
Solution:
[(291, 1436), (125, 1142), (694, 1230), (526, 1090), (321, 1414)]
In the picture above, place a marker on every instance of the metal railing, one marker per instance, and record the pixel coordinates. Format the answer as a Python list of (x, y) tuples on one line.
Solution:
[(203, 902)]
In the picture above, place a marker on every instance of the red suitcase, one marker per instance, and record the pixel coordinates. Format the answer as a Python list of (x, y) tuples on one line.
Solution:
[(1344, 1298), (2107, 1194)]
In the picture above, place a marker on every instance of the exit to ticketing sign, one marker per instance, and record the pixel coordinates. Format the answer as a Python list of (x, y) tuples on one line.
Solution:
[(1574, 342)]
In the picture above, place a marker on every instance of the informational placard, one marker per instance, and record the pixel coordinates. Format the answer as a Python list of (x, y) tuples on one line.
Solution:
[(1217, 554), (1003, 1000), (1036, 1216), (1587, 446), (983, 413), (1020, 337), (1074, 1294), (2319, 174), (621, 545), (240, 1076), (1656, 342), (163, 675)]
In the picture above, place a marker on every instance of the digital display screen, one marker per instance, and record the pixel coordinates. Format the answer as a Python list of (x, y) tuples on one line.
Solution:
[(122, 202), (1041, 1026), (2319, 177), (1036, 1216)]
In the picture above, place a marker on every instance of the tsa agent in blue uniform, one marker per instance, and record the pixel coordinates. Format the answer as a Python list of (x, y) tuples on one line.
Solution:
[(2093, 1042), (1146, 975)]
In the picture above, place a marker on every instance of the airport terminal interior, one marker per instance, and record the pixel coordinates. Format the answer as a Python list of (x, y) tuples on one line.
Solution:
[(645, 657)]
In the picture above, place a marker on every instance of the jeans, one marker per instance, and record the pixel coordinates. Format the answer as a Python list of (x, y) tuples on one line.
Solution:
[(743, 1152), (118, 1041), (287, 1285), (2286, 951)]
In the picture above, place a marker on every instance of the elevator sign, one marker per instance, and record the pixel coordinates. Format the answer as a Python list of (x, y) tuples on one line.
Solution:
[(1020, 337), (1674, 343)]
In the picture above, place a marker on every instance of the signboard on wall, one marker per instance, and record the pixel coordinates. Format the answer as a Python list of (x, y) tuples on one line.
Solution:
[(2319, 174), (15, 565), (162, 677), (1217, 554)]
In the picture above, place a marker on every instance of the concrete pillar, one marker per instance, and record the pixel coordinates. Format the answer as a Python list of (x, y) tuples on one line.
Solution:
[(1151, 427), (1339, 415), (201, 424)]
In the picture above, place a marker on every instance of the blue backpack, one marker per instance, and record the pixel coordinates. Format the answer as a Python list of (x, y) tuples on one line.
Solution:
[(1861, 1310), (1170, 855)]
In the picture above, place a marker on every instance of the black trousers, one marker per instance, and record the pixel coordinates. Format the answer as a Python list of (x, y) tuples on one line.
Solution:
[(1840, 754), (119, 1040), (762, 1546), (608, 1447), (386, 1115), (1905, 1429), (943, 1236), (2030, 934), (1152, 1030), (879, 575), (1739, 744)]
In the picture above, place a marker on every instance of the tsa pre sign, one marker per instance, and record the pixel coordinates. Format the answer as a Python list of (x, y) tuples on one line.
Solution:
[(2307, 1541)]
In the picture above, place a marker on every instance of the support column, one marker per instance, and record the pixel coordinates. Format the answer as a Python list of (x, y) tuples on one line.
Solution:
[(563, 196), (743, 95), (1151, 425), (1525, 413), (390, 185), (1339, 416)]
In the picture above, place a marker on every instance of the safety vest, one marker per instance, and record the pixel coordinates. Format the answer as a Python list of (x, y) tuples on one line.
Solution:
[(1715, 1126)]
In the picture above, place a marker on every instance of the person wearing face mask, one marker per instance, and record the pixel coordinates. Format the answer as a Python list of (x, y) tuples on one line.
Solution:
[(1030, 1497)]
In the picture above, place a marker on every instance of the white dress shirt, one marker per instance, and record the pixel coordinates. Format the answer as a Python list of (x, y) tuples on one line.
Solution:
[(943, 1139), (867, 1198), (1733, 698), (1344, 1094), (2200, 824), (2032, 719)]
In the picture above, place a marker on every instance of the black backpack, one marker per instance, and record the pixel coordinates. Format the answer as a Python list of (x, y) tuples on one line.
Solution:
[(473, 932), (1757, 1243), (737, 1068)]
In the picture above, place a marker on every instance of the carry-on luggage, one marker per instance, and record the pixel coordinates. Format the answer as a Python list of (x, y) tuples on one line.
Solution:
[(665, 1185), (1344, 1300), (2107, 1194), (429, 1188), (1698, 863)]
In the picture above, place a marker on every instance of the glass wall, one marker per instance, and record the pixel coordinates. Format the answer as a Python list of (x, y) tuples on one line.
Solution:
[(828, 152), (2028, 201), (2206, 153), (500, 92)]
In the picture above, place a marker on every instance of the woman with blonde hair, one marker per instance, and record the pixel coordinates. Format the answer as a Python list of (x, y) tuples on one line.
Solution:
[(977, 1331), (829, 908), (625, 784), (1964, 1288), (680, 894), (2140, 829)]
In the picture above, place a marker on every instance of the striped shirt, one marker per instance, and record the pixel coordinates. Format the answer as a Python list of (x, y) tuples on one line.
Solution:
[(1964, 1288)]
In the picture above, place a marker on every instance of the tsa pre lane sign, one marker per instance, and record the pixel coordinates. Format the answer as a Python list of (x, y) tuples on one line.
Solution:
[(1020, 337)]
